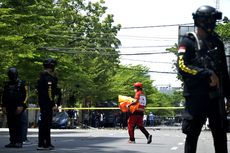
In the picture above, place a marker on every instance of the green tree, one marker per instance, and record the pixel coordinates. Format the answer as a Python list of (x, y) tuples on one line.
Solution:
[(76, 33), (92, 45), (126, 75), (223, 29), (25, 27)]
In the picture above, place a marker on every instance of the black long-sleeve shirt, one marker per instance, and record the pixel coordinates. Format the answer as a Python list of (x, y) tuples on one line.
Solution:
[(196, 66), (47, 89)]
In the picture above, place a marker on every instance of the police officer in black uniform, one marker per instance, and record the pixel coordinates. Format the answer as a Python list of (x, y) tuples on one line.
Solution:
[(14, 104), (47, 89), (202, 65)]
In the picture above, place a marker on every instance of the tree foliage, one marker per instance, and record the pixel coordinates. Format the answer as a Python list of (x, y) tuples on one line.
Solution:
[(223, 29), (76, 33)]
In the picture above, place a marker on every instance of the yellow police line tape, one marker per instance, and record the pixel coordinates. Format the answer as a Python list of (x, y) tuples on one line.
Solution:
[(108, 108)]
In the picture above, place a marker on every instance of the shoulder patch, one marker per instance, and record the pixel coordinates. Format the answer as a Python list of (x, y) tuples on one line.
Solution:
[(182, 49)]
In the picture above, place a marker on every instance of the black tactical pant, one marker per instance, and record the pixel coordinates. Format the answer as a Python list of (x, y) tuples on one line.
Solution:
[(15, 127), (44, 135), (194, 120)]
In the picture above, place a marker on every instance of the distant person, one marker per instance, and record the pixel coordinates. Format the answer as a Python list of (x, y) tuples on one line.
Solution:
[(151, 119), (136, 118), (203, 67), (123, 120), (206, 125), (102, 117), (24, 123), (14, 105), (72, 116), (47, 90)]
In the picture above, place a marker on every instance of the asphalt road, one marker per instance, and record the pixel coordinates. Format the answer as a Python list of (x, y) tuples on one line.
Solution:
[(165, 140)]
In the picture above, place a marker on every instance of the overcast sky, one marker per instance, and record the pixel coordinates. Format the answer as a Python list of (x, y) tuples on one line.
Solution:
[(142, 13)]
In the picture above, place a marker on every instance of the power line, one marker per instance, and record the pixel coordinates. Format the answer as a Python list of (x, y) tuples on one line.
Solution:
[(105, 54), (149, 71), (94, 51), (162, 72), (146, 61), (147, 37), (75, 51), (145, 46), (145, 53), (156, 26), (83, 38), (152, 40)]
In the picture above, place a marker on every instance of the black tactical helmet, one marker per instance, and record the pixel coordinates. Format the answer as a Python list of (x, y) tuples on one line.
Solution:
[(12, 73), (49, 63), (205, 17)]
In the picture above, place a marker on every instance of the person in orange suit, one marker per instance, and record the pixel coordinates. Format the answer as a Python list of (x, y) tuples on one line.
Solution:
[(136, 118)]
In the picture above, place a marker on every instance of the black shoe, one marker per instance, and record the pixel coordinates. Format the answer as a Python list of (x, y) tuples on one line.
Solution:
[(18, 145), (14, 145), (10, 145), (149, 140)]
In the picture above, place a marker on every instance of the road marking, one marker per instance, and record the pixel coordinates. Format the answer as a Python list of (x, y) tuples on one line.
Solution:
[(174, 148), (180, 143), (69, 140)]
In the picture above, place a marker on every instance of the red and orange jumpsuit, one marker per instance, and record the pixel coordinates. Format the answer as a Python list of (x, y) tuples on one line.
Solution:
[(136, 118)]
